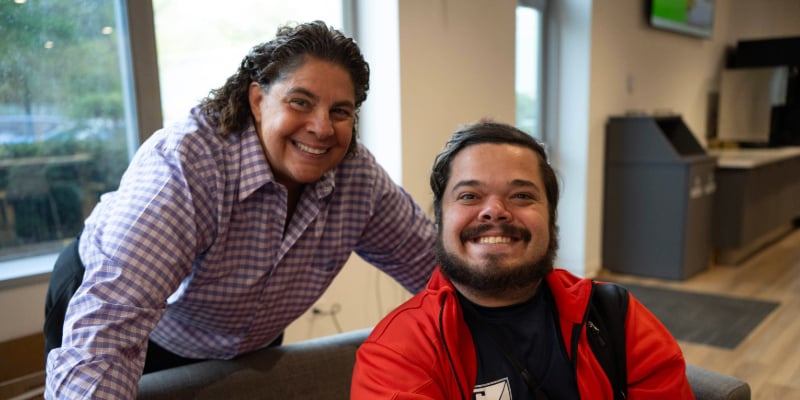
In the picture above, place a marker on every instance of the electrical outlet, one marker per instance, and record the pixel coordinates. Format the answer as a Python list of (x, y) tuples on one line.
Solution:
[(325, 308), (322, 305)]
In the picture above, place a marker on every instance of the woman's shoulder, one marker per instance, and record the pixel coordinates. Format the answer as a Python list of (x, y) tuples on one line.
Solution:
[(361, 163), (191, 136)]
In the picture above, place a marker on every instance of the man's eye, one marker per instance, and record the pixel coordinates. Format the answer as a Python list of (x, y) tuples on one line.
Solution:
[(467, 196)]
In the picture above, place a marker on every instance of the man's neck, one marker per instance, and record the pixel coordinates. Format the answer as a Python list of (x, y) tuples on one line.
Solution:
[(505, 298)]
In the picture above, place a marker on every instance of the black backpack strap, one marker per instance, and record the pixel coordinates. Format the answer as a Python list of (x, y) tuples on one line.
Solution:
[(605, 330)]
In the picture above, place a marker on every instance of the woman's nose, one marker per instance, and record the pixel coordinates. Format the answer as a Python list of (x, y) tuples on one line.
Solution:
[(320, 124), (495, 211)]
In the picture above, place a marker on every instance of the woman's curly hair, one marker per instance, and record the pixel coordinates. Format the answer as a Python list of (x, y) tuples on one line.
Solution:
[(228, 107)]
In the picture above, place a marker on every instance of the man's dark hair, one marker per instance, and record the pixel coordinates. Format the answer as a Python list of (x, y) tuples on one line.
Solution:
[(497, 133), (228, 107)]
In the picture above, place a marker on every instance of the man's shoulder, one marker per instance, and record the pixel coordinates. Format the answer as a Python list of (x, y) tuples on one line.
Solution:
[(416, 319), (562, 278), (571, 293)]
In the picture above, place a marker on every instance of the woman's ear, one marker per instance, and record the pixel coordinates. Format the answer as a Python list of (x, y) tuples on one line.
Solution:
[(256, 97)]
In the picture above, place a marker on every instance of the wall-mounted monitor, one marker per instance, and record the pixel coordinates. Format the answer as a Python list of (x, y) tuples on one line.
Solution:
[(691, 17)]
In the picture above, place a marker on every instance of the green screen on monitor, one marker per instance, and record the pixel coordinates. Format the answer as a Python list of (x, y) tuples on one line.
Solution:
[(693, 17)]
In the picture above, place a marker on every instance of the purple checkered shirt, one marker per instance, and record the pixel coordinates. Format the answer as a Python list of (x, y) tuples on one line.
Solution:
[(191, 252)]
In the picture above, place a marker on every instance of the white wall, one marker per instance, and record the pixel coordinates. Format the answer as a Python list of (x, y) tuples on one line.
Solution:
[(762, 19), (456, 66), (21, 310)]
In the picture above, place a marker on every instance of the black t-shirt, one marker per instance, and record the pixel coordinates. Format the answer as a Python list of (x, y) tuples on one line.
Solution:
[(530, 333)]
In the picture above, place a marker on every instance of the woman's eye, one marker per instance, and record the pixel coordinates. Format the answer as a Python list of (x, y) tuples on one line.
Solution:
[(525, 196), (341, 113), (300, 103)]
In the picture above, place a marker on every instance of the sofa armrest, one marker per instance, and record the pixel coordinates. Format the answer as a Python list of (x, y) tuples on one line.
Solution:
[(710, 385), (315, 369)]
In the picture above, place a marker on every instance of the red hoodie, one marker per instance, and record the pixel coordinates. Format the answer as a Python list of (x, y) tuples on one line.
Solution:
[(424, 350)]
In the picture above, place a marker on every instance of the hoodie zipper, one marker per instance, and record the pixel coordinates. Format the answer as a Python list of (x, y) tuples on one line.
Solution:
[(576, 335), (446, 349), (596, 333)]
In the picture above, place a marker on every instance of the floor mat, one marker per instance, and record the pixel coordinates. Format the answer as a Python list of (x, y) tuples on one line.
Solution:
[(721, 321)]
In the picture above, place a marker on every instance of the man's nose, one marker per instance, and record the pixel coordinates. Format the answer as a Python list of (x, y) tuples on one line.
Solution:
[(495, 210)]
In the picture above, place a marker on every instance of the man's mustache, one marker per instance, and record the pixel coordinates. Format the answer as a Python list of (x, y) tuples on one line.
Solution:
[(505, 230)]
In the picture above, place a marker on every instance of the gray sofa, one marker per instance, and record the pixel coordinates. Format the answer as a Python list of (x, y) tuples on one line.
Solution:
[(320, 369)]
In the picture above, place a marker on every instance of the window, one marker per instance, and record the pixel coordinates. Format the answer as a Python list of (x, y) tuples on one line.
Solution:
[(64, 131), (529, 50)]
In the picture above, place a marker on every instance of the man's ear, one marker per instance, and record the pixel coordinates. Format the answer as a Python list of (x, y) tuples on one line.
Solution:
[(255, 96)]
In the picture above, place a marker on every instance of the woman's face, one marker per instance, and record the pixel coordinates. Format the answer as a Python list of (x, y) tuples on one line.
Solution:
[(305, 121)]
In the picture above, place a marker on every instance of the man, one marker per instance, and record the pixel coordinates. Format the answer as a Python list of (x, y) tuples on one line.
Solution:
[(496, 320)]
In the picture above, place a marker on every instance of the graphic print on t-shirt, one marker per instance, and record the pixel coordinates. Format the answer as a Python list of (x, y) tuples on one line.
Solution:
[(497, 390)]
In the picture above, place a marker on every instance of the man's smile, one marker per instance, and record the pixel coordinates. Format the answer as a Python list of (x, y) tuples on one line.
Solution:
[(495, 234), (493, 239)]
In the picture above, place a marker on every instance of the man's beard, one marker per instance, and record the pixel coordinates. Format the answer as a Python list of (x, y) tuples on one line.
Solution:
[(490, 280)]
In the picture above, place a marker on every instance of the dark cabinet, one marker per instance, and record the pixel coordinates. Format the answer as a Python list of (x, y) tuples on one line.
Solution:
[(757, 200)]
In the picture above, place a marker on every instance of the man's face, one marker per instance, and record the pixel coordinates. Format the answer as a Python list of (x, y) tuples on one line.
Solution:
[(494, 232), (305, 121)]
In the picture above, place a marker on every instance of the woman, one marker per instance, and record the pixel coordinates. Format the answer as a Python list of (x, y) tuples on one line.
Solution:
[(228, 226)]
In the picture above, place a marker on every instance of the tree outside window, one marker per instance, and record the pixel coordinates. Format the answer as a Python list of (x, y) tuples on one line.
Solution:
[(62, 123)]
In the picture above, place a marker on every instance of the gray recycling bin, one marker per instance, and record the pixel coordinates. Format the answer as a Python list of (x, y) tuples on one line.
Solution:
[(659, 186)]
